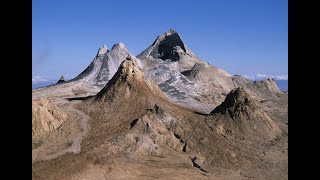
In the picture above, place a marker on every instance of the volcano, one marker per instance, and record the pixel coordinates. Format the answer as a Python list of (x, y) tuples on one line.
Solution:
[(104, 65), (240, 116), (95, 76), (183, 76)]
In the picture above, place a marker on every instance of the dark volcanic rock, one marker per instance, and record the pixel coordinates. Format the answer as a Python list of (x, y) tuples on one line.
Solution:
[(61, 80)]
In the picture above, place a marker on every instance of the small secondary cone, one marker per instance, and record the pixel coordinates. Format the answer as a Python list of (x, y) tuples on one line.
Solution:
[(61, 80)]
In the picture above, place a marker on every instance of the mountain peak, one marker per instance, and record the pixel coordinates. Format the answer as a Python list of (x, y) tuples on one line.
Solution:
[(127, 74), (170, 32), (168, 46), (119, 45), (129, 70), (269, 84), (127, 84), (102, 50), (105, 65), (170, 35), (61, 80), (240, 116), (237, 101)]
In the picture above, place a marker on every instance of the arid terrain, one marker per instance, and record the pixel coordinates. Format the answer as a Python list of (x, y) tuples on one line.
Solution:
[(163, 114)]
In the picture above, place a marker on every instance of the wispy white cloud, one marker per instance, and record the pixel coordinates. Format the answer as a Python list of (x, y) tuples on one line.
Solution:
[(265, 76), (282, 77), (37, 79)]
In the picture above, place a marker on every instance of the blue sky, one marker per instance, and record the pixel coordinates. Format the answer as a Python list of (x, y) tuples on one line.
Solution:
[(247, 37)]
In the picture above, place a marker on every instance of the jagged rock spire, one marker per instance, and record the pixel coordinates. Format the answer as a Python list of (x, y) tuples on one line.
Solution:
[(61, 80), (102, 50)]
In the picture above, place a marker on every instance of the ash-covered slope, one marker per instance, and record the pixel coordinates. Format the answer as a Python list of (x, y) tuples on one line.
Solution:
[(104, 65), (93, 78), (183, 76), (239, 116)]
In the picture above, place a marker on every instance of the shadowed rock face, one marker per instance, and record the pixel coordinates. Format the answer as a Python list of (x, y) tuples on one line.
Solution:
[(169, 48)]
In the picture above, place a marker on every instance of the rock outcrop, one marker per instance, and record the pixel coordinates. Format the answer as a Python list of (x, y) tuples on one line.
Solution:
[(46, 117), (61, 80), (239, 116), (268, 84)]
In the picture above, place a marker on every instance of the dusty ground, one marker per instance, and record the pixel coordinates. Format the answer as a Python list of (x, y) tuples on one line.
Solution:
[(132, 130), (66, 138)]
